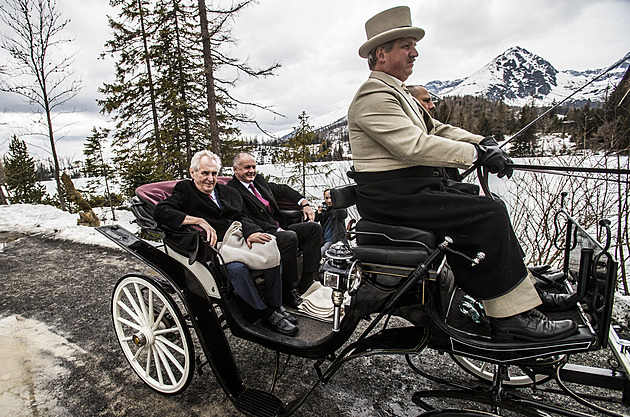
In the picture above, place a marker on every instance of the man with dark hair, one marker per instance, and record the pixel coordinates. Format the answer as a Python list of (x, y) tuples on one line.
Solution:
[(396, 146), (260, 200), (423, 96), (332, 222)]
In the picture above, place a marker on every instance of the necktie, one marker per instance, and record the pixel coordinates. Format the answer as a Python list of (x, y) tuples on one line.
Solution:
[(259, 197), (215, 198)]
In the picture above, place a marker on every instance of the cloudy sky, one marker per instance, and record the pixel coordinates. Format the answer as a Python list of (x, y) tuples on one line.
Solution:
[(316, 42)]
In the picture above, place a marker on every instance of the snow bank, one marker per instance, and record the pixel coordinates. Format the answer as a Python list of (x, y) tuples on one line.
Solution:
[(58, 224)]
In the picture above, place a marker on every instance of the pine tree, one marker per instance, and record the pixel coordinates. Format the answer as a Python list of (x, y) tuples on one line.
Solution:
[(300, 153), (21, 175), (525, 143), (95, 165), (160, 70), (3, 198)]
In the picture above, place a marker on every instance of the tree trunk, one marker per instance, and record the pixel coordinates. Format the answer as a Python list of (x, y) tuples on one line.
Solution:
[(208, 70), (182, 86), (87, 217), (147, 59), (3, 198), (53, 148)]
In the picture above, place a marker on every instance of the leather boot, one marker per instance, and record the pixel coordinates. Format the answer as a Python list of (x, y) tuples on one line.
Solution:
[(278, 323), (287, 314), (552, 301), (531, 325), (291, 298)]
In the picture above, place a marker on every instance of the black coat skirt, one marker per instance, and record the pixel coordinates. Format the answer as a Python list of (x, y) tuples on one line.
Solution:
[(413, 197)]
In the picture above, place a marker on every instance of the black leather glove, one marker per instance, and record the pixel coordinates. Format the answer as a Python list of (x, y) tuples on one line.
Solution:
[(493, 157), (489, 141)]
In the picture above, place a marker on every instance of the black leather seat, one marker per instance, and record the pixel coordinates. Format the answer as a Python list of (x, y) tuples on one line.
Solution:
[(384, 243), (392, 245)]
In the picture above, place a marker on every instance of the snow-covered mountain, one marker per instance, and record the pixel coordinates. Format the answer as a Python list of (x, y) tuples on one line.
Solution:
[(519, 77)]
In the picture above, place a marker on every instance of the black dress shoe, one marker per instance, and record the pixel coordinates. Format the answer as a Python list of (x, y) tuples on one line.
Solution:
[(287, 314), (552, 301), (531, 325), (278, 323), (292, 299)]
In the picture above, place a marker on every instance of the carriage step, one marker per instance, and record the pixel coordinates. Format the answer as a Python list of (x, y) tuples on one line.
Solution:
[(401, 340), (258, 403)]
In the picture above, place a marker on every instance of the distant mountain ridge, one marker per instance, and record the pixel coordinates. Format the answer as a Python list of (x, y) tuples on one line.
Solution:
[(518, 77)]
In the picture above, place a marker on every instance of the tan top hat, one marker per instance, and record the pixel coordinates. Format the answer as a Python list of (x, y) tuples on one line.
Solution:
[(389, 25)]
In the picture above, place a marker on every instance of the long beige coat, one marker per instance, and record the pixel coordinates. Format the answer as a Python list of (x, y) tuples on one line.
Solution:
[(389, 130)]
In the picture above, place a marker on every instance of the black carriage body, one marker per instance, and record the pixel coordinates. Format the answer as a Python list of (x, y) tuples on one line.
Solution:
[(404, 274)]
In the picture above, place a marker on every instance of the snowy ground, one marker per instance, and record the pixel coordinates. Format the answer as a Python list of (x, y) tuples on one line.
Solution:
[(50, 221)]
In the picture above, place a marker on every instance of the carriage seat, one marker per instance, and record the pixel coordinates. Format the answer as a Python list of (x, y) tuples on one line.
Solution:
[(384, 243), (143, 203), (147, 196)]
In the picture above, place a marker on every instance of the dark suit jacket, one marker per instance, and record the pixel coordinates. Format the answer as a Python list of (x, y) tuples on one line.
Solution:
[(188, 200), (257, 211)]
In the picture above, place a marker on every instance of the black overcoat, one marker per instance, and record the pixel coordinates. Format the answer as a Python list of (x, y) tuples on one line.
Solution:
[(257, 211), (188, 200)]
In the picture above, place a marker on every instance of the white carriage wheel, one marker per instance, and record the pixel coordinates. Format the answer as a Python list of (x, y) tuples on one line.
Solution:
[(152, 334), (485, 371)]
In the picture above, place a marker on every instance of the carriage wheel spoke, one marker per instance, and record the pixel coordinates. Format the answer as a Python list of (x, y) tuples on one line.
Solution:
[(128, 323), (168, 353), (132, 314), (140, 299), (133, 303), (159, 319), (138, 352), (164, 361), (158, 367), (151, 311)]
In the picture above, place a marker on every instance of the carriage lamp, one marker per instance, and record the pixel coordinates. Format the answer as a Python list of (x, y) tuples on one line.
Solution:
[(341, 272)]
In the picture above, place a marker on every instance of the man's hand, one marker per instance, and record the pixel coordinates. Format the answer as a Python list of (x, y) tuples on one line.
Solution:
[(211, 234), (258, 237), (308, 212), (489, 141), (493, 157)]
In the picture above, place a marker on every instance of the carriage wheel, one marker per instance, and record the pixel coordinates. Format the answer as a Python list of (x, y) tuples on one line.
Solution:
[(485, 371), (152, 334)]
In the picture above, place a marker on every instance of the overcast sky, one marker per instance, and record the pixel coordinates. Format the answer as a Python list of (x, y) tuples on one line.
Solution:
[(316, 42)]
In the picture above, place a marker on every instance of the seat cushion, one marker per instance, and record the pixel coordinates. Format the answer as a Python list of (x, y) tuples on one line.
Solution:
[(372, 233), (390, 255), (344, 196)]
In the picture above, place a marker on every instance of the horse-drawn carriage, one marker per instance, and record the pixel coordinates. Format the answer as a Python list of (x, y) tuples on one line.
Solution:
[(386, 271)]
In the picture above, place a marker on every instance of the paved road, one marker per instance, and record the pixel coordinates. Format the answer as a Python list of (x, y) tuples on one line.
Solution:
[(60, 357)]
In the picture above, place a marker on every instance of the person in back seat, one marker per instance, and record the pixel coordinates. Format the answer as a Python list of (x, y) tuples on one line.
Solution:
[(424, 98), (396, 146), (332, 221), (213, 207), (260, 199)]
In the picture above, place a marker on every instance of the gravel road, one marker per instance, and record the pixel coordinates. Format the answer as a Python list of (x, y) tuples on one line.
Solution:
[(60, 357)]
